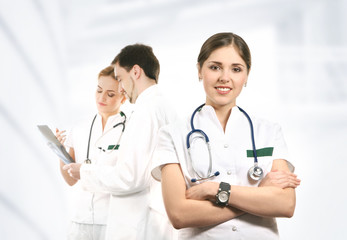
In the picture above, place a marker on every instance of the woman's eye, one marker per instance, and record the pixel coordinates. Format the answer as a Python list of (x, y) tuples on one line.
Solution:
[(99, 91), (214, 67), (111, 95), (237, 69)]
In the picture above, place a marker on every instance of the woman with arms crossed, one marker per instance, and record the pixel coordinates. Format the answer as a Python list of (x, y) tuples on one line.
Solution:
[(94, 142), (219, 191)]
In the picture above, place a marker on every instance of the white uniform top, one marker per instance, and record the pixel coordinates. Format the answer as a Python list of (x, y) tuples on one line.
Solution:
[(136, 197), (89, 203), (229, 157)]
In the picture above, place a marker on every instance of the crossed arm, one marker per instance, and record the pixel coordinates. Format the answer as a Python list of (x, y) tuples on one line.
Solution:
[(275, 197)]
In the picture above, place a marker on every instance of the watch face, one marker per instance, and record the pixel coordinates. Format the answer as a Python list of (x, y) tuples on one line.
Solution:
[(223, 196)]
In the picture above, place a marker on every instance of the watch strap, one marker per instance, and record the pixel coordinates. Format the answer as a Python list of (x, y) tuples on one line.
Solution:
[(224, 186)]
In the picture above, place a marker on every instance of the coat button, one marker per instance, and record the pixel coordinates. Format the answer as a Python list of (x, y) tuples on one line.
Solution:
[(226, 145), (234, 228), (229, 172)]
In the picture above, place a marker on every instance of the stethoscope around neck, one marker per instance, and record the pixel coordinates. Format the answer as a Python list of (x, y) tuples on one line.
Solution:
[(116, 146), (255, 172)]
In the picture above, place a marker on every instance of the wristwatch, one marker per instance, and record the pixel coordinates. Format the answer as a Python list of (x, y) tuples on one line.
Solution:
[(223, 194)]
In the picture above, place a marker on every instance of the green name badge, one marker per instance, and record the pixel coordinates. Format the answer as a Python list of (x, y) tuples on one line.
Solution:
[(113, 147), (262, 152)]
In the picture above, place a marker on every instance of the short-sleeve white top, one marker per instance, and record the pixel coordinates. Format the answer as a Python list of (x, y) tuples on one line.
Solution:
[(92, 207), (232, 156)]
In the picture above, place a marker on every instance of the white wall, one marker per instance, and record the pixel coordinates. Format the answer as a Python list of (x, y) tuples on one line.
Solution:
[(52, 51)]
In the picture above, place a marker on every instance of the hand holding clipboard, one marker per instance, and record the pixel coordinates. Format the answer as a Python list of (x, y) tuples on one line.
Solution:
[(54, 144)]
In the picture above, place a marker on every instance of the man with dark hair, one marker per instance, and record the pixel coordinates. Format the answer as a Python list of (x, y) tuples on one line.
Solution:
[(141, 55), (136, 206)]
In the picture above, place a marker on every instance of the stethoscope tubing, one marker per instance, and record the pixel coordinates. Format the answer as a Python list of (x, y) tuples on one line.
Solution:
[(252, 134), (193, 128), (91, 130), (90, 135), (252, 172)]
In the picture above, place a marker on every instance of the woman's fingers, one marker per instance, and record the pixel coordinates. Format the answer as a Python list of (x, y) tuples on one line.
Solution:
[(288, 182), (60, 135), (282, 179)]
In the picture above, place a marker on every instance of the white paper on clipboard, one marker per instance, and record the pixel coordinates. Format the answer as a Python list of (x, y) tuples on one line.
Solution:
[(54, 144)]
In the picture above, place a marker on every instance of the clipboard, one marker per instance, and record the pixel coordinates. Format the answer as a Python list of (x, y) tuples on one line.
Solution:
[(54, 144)]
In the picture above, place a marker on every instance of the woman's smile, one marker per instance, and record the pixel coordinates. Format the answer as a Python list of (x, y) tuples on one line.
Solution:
[(223, 89)]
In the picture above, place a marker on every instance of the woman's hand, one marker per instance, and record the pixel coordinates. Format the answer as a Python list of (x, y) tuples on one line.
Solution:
[(73, 169), (203, 191), (60, 135), (281, 179)]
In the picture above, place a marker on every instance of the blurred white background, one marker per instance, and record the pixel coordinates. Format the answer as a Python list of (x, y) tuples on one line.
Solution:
[(51, 53)]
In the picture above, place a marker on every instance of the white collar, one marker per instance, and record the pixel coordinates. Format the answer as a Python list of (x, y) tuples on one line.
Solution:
[(147, 94), (208, 113), (111, 120)]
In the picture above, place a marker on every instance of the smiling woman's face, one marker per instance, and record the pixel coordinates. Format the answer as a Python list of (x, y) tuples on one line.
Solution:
[(223, 74)]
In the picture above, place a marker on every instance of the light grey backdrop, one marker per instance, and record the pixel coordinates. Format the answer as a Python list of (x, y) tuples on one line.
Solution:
[(52, 51)]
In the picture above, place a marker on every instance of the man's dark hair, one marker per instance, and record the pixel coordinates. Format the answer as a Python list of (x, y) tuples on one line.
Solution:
[(141, 55)]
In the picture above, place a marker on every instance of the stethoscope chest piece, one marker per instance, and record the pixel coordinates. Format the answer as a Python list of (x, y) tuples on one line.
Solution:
[(87, 161), (256, 173)]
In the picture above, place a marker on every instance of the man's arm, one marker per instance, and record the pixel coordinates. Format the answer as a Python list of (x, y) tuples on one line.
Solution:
[(131, 173)]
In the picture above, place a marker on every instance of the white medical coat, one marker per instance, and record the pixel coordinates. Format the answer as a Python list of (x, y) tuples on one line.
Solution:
[(89, 203), (136, 207), (229, 156)]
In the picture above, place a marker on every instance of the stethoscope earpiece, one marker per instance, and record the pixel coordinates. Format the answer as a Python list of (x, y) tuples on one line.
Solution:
[(193, 180)]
